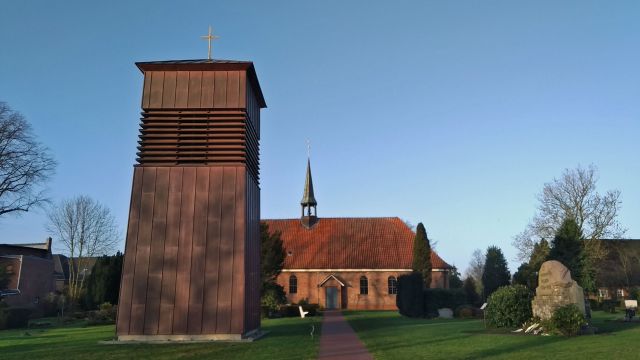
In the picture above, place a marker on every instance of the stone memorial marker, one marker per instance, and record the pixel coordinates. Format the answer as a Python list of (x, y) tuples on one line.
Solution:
[(555, 289)]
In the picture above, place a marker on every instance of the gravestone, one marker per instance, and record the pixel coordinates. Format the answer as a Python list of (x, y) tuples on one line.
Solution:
[(555, 289)]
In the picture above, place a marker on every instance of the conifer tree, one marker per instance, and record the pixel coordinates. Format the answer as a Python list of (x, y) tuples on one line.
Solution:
[(469, 287), (422, 255), (567, 248), (496, 273)]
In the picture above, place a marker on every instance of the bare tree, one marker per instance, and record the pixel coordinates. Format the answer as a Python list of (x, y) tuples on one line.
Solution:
[(476, 269), (573, 195), (86, 229), (25, 165)]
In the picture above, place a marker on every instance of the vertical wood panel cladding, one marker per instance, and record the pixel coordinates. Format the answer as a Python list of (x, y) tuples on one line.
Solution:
[(212, 269), (146, 89), (198, 252), (157, 86), (169, 90), (182, 89), (208, 89), (167, 298), (183, 274), (220, 89), (227, 237), (143, 248), (128, 269), (195, 89), (158, 232), (252, 255), (240, 236)]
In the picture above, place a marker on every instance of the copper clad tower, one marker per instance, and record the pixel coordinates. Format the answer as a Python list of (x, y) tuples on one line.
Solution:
[(191, 268)]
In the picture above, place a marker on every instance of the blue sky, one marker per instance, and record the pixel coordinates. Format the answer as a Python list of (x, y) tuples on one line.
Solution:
[(450, 113)]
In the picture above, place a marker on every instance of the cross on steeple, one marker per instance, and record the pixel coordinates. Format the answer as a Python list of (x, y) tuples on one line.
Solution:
[(210, 37)]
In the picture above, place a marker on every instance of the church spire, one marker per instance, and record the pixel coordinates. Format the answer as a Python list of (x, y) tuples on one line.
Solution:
[(308, 201)]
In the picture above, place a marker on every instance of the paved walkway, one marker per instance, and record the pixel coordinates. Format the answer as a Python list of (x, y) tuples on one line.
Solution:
[(338, 340)]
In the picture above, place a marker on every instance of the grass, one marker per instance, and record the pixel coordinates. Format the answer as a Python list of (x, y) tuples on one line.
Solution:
[(387, 335), (288, 338)]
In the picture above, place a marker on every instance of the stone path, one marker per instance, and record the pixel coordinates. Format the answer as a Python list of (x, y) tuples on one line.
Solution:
[(338, 340)]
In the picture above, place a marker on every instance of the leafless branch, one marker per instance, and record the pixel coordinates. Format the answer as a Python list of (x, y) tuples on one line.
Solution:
[(25, 164)]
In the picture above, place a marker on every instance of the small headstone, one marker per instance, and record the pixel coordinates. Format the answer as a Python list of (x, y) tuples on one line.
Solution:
[(555, 289), (445, 313)]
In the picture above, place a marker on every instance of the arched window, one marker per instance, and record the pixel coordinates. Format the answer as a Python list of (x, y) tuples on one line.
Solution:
[(293, 284), (393, 285), (364, 285)]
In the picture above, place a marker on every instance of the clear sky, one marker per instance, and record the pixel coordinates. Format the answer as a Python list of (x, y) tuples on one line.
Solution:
[(450, 113)]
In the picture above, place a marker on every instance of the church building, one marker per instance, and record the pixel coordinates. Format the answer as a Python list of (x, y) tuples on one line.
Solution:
[(347, 263)]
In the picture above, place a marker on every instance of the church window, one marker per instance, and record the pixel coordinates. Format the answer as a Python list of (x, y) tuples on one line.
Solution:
[(393, 285), (293, 284), (364, 285)]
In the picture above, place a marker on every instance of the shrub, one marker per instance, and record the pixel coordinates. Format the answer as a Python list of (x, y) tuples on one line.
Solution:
[(15, 318), (272, 298), (567, 320), (3, 314), (435, 299), (634, 293), (465, 312), (105, 315), (509, 306), (410, 298), (609, 306)]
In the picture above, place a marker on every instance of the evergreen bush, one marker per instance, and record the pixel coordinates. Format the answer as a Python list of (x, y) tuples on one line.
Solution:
[(509, 306), (435, 299), (410, 298), (567, 320)]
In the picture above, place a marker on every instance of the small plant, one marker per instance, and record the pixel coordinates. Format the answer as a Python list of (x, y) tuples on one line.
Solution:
[(465, 311), (509, 306), (568, 320)]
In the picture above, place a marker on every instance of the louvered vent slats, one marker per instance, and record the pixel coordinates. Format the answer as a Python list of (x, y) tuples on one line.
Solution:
[(191, 137)]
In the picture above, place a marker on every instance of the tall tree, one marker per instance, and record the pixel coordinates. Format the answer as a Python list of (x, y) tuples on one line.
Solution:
[(272, 257), (86, 229), (496, 273), (25, 164), (475, 269), (422, 255), (469, 287), (527, 273), (103, 285), (566, 247), (455, 280), (574, 196)]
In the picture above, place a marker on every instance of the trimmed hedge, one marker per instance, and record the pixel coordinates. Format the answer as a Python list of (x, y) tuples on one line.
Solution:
[(435, 299), (410, 298), (414, 301), (509, 306)]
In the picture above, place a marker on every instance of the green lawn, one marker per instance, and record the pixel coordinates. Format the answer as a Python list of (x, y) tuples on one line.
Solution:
[(387, 335), (287, 339)]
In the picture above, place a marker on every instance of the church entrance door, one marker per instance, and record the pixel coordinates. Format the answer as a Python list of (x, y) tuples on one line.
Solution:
[(332, 297)]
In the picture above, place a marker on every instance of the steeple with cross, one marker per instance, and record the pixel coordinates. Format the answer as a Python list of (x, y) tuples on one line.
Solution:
[(308, 201)]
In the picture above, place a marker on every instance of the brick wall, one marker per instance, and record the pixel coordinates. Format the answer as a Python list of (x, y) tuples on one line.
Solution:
[(349, 297)]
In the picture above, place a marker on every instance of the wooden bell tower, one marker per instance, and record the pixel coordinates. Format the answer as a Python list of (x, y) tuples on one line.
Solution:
[(192, 254)]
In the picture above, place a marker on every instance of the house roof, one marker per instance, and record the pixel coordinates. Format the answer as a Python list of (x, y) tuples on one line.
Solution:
[(349, 243)]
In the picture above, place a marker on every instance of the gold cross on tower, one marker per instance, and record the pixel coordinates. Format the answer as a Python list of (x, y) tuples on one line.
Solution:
[(210, 37)]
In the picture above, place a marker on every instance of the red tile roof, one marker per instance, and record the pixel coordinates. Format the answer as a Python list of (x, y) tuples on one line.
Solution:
[(349, 243)]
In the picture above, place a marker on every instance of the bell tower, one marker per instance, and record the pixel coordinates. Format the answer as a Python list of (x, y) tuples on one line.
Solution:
[(192, 256)]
